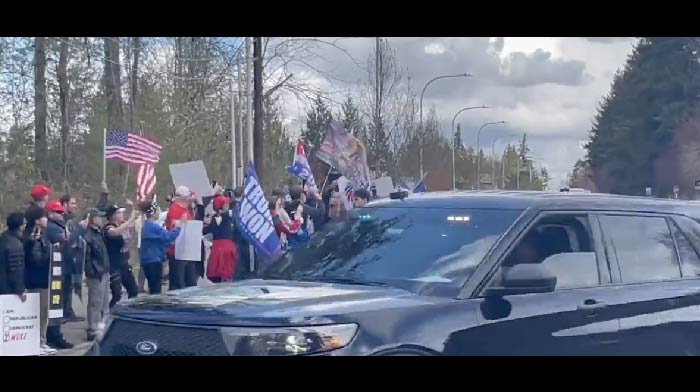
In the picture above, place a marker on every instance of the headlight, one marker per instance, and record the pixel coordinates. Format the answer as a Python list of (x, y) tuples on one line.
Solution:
[(287, 341)]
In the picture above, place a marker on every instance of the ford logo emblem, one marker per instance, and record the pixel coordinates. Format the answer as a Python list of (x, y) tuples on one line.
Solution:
[(146, 347)]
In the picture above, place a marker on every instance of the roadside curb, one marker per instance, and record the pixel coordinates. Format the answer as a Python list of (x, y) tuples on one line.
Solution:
[(77, 351)]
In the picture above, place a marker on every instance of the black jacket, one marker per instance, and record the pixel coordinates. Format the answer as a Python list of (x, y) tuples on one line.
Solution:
[(37, 262), (11, 264), (313, 208), (94, 255), (32, 213)]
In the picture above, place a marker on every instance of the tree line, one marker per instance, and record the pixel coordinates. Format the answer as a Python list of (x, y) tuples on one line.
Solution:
[(645, 133), (58, 94)]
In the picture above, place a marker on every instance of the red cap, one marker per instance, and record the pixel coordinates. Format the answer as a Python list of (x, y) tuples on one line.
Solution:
[(40, 191), (220, 201), (55, 206)]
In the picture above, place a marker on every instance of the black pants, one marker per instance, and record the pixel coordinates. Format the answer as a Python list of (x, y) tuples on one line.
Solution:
[(123, 275), (154, 277), (182, 273), (68, 297)]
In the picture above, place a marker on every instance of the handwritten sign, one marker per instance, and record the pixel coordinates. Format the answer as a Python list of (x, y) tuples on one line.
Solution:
[(19, 325)]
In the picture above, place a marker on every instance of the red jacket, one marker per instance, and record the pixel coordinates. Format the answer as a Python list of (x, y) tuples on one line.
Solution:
[(281, 227), (175, 211)]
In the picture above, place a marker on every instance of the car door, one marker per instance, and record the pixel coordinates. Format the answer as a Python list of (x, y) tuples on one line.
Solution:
[(654, 270), (574, 319)]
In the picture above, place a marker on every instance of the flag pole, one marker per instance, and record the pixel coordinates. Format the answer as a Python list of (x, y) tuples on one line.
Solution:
[(104, 156), (323, 187)]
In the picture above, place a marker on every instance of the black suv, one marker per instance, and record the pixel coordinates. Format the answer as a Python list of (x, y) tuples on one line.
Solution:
[(468, 273)]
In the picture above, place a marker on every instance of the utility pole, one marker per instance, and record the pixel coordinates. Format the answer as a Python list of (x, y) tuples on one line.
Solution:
[(249, 120), (377, 93), (258, 136), (234, 163), (249, 96), (239, 113)]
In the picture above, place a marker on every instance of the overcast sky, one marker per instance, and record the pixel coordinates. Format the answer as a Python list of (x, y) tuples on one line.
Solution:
[(548, 87)]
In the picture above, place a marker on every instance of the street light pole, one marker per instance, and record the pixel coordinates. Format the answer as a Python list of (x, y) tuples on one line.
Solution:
[(420, 111), (478, 150), (493, 157), (454, 146)]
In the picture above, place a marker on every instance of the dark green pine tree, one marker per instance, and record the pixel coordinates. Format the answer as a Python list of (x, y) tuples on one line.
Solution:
[(457, 140), (351, 119), (317, 120), (649, 99)]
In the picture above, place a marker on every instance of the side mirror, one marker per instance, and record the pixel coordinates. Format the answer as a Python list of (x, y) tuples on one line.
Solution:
[(524, 279)]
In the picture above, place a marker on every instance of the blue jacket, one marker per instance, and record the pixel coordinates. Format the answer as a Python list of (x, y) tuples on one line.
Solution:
[(154, 240)]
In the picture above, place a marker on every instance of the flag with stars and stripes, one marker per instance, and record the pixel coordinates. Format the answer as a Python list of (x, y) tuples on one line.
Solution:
[(347, 192), (145, 181), (131, 148)]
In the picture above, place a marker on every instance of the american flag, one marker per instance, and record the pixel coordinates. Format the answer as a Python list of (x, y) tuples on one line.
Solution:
[(145, 181), (131, 148)]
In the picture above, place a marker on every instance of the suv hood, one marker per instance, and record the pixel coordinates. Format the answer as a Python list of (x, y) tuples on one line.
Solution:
[(267, 303)]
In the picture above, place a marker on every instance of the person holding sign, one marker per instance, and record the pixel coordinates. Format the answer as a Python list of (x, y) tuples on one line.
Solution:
[(36, 274), (12, 257), (154, 240), (183, 273)]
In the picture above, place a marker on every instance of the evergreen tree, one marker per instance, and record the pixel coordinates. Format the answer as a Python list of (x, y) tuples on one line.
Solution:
[(652, 96), (317, 120)]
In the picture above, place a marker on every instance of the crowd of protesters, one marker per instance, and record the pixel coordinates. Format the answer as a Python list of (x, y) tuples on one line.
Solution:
[(95, 246)]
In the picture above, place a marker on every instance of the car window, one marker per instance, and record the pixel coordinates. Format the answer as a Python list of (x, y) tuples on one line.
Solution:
[(690, 262), (643, 246), (430, 251), (557, 235)]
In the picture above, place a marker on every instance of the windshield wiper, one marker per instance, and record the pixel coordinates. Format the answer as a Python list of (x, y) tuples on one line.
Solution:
[(346, 280)]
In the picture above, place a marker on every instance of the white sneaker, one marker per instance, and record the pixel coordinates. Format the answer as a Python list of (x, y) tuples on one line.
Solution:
[(46, 350)]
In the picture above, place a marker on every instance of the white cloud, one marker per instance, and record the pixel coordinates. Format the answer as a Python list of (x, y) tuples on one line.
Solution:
[(548, 87)]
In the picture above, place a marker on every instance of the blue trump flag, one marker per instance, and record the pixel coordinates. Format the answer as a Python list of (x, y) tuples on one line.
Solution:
[(254, 219), (300, 166), (420, 187)]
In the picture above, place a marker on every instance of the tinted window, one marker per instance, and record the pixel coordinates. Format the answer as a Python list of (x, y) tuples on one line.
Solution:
[(563, 244), (690, 263), (428, 251), (643, 246)]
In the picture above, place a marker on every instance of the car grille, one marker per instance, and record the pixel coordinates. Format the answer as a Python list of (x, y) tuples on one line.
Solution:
[(124, 335)]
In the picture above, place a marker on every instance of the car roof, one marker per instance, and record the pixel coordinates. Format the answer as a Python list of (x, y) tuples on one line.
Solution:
[(542, 200)]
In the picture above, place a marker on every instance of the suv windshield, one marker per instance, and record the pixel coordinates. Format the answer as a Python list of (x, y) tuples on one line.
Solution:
[(430, 251)]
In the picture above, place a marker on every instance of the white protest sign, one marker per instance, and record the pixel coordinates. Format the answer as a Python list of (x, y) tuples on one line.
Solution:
[(385, 185), (19, 325), (188, 245), (192, 175)]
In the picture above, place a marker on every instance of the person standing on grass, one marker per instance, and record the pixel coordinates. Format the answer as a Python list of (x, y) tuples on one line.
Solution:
[(12, 257), (96, 260), (154, 240)]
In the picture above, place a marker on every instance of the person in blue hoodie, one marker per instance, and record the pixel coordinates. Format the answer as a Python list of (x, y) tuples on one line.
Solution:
[(154, 240)]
